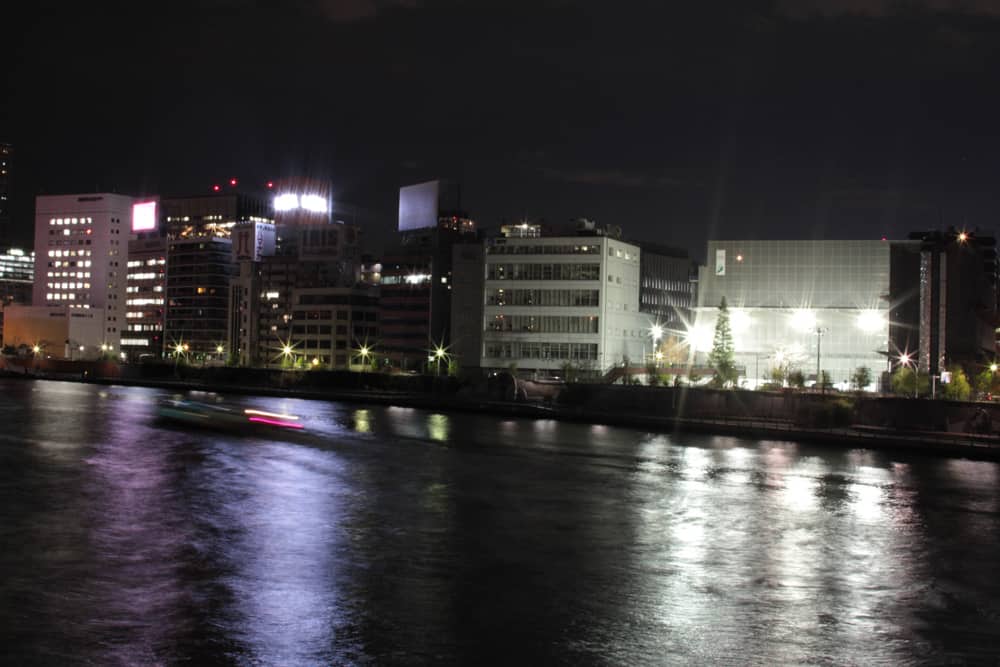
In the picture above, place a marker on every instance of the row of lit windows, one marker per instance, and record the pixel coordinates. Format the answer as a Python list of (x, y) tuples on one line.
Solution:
[(68, 285), (70, 221), (519, 249), (544, 324), (143, 276), (84, 263), (542, 297), (69, 253), (134, 263), (68, 274), (145, 302), (532, 350), (59, 296), (135, 342), (543, 272), (144, 327), (133, 289)]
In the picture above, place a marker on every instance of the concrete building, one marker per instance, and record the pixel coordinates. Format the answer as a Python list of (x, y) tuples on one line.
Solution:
[(565, 300), (944, 298), (310, 257), (81, 245), (667, 285), (804, 305), (467, 301), (416, 284), (59, 332)]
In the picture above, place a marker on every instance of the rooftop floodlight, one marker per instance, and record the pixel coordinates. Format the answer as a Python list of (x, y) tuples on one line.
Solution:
[(286, 202), (656, 331), (314, 203)]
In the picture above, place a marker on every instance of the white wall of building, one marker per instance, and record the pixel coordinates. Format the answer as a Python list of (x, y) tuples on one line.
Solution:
[(81, 253), (552, 330)]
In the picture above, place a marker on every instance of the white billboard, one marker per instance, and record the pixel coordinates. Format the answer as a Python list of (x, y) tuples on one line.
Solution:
[(253, 240), (418, 205)]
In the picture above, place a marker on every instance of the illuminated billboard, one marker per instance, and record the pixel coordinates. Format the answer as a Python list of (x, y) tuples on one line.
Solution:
[(144, 216), (418, 205), (311, 203)]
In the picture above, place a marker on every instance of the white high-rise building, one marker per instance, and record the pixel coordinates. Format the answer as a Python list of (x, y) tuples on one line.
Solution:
[(81, 251)]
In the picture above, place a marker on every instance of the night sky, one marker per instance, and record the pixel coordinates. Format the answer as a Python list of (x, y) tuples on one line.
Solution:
[(678, 121)]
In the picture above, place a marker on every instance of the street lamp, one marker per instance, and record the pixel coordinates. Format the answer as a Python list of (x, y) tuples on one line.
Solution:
[(819, 336), (906, 359), (439, 354), (364, 352)]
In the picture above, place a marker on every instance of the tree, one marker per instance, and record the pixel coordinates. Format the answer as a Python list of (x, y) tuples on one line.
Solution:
[(904, 380), (797, 379), (824, 380), (721, 357), (958, 389), (984, 382), (861, 378)]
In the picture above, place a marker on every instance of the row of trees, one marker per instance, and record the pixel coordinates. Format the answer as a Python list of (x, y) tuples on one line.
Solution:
[(905, 380)]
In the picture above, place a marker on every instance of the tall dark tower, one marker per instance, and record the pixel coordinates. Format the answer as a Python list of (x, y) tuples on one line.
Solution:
[(6, 158)]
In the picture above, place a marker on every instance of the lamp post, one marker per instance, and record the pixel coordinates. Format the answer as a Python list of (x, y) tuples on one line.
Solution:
[(905, 359), (439, 354), (656, 331), (819, 336)]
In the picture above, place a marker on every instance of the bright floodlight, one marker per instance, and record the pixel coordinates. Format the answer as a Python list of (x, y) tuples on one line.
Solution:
[(699, 337), (904, 359), (218, 348), (870, 321), (36, 349), (439, 352), (993, 368), (364, 351), (739, 320), (314, 204), (963, 237), (286, 202), (656, 331), (286, 350), (804, 320), (179, 348)]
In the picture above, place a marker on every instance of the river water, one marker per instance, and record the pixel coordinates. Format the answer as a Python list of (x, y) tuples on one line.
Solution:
[(389, 535)]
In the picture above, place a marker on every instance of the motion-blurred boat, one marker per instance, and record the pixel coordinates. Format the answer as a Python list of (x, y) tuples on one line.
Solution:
[(224, 417)]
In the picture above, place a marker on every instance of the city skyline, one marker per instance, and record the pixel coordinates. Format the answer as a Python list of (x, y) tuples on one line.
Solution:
[(768, 120)]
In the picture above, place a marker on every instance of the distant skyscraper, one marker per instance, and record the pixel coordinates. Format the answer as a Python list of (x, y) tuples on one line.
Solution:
[(6, 167)]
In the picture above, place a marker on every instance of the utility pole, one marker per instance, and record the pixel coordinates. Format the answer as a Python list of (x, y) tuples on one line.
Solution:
[(819, 335)]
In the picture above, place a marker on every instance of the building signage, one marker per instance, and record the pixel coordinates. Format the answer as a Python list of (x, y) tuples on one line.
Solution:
[(254, 240), (720, 262), (144, 216)]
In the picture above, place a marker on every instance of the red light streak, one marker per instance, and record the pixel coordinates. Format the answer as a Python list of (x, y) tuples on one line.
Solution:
[(275, 422)]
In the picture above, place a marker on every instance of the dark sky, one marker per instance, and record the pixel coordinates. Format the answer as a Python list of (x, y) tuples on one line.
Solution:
[(678, 121)]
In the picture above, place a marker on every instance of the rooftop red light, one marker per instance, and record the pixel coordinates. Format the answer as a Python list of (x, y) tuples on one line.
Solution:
[(215, 188), (232, 181)]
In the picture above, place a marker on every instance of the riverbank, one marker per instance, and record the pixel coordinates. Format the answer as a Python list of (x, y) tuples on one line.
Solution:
[(938, 443)]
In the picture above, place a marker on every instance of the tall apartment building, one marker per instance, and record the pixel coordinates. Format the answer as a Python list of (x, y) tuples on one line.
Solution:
[(81, 246), (563, 300), (200, 263), (145, 302)]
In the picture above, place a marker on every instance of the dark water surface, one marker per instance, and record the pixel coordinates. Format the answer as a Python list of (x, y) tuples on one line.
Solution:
[(396, 536)]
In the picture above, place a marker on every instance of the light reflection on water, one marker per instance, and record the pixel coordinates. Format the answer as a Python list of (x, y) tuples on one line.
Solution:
[(362, 540)]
